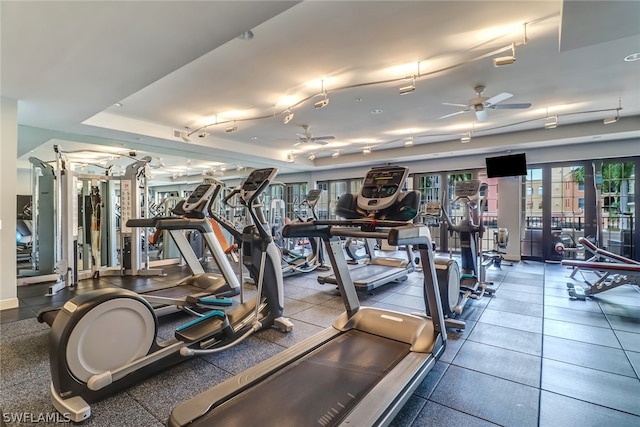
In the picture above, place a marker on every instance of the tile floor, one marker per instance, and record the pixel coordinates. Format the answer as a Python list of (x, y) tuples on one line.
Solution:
[(529, 356)]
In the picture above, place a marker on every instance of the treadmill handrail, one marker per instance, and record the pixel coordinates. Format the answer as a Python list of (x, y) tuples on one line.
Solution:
[(201, 225)]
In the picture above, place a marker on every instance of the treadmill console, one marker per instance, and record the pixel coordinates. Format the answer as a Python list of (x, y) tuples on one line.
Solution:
[(198, 198), (381, 187), (313, 196), (256, 182)]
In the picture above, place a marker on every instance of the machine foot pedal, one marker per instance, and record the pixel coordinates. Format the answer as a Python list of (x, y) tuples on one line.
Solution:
[(215, 301), (203, 327)]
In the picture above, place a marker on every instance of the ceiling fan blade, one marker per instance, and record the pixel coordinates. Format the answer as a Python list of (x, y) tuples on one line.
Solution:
[(481, 115), (452, 114), (295, 144), (498, 98), (323, 137), (317, 141), (302, 136), (455, 105), (511, 106)]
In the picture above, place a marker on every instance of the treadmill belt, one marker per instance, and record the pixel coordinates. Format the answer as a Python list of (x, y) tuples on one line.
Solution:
[(364, 274), (319, 389)]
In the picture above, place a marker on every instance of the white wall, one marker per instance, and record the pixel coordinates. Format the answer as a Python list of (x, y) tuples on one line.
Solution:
[(8, 156), (23, 186)]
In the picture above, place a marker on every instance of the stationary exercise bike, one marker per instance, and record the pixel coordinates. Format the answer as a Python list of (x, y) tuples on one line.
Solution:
[(106, 340)]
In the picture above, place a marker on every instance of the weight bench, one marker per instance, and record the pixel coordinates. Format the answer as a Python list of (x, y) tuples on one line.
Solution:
[(610, 275)]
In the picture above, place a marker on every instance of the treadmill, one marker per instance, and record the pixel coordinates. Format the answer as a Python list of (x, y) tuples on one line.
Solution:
[(360, 371), (377, 270)]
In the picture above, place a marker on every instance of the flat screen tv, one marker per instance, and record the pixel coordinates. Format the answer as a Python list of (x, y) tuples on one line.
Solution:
[(511, 165)]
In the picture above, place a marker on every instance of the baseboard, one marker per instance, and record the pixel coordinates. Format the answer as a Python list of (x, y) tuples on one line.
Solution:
[(6, 304)]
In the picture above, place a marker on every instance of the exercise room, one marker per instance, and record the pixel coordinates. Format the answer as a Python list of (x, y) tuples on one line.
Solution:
[(303, 213)]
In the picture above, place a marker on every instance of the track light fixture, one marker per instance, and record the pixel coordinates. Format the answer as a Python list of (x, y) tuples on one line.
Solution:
[(322, 103), (506, 60), (410, 88), (204, 133), (409, 141), (288, 117), (291, 158), (466, 138), (336, 154), (325, 101), (232, 128), (366, 150), (312, 156), (610, 120), (552, 122)]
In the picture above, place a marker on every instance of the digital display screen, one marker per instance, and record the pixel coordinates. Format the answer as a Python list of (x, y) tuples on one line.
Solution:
[(382, 184), (256, 178), (198, 193)]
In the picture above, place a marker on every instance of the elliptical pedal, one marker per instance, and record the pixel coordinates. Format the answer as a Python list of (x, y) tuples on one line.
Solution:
[(203, 327)]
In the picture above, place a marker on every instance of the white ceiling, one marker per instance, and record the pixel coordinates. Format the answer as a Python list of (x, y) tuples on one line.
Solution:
[(178, 65)]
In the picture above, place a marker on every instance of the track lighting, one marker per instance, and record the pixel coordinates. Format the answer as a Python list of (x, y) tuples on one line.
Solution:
[(409, 142), (312, 156), (232, 128), (322, 103), (615, 118), (552, 122), (466, 138), (288, 117), (610, 120), (410, 88), (203, 134), (506, 60), (325, 101), (291, 158), (336, 154), (366, 150)]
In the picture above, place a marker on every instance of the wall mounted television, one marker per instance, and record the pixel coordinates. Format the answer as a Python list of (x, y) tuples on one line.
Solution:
[(511, 165)]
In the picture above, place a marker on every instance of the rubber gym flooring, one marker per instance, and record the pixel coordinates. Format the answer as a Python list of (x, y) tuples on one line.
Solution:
[(530, 356)]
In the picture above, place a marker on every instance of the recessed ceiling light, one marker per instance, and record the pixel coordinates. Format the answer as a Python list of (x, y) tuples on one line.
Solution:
[(254, 138), (632, 57), (376, 111), (358, 99)]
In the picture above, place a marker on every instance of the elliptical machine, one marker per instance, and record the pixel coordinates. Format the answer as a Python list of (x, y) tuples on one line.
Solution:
[(106, 340), (471, 195)]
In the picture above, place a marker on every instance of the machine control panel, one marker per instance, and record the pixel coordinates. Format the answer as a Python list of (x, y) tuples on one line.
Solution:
[(381, 187), (256, 182)]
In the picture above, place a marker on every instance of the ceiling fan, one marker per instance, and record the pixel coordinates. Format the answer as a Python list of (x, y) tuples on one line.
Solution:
[(306, 136), (480, 104)]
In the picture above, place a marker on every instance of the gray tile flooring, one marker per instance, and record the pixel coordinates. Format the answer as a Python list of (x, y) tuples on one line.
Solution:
[(530, 356)]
